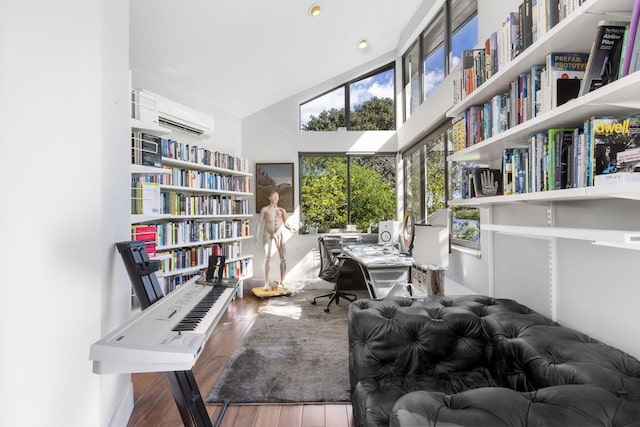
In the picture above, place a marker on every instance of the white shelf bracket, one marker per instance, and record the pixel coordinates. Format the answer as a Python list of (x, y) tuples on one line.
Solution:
[(553, 262)]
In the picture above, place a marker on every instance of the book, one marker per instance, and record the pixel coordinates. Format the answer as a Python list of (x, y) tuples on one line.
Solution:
[(148, 201), (508, 38), (150, 149), (514, 35), (604, 57), (526, 24), (468, 77), (507, 171), (534, 21), (147, 234), (564, 72), (459, 133), (552, 14), (474, 124), (630, 39), (609, 136), (488, 58), (493, 44), (555, 139), (536, 87), (541, 27), (564, 151)]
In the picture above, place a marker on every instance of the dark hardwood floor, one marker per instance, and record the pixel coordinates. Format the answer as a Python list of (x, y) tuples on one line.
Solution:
[(154, 404)]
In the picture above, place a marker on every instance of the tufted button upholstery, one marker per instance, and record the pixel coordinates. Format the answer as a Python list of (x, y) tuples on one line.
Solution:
[(473, 359), (558, 406)]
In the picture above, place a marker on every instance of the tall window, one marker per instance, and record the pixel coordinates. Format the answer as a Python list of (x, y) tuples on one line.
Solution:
[(464, 26), (339, 189), (414, 183), (425, 176), (438, 51), (433, 55), (371, 101), (411, 79)]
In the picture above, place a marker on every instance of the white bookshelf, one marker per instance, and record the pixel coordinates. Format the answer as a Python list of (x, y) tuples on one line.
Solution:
[(573, 34), (521, 214), (165, 252)]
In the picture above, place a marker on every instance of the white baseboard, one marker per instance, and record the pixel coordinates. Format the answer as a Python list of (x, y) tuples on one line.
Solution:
[(293, 284), (125, 409)]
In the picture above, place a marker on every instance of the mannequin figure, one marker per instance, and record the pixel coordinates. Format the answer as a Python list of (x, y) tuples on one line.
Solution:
[(270, 224)]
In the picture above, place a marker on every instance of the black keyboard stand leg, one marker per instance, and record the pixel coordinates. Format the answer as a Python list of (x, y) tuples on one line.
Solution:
[(187, 396)]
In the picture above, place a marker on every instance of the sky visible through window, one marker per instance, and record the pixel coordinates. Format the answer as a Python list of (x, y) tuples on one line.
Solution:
[(465, 38), (379, 85)]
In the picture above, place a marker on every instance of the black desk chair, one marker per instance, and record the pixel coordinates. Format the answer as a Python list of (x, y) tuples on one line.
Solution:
[(330, 264)]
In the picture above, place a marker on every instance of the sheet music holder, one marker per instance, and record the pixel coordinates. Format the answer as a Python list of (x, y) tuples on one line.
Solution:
[(141, 271)]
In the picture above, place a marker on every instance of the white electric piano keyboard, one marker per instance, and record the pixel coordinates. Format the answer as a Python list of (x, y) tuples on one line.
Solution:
[(169, 335)]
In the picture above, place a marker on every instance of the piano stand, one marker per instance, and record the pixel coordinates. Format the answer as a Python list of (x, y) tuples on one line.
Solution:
[(188, 399), (121, 350)]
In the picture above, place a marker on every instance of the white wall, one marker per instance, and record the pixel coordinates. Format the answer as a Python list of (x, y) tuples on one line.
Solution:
[(64, 169), (596, 286)]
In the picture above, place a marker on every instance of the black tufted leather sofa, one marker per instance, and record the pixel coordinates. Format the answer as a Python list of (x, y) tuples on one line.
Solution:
[(480, 361)]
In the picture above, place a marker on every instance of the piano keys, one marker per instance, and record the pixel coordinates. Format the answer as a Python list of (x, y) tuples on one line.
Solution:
[(169, 335)]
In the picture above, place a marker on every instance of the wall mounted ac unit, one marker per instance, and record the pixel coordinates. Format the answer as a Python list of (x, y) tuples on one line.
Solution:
[(177, 116)]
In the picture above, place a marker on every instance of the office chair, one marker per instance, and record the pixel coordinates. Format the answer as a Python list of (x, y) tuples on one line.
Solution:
[(330, 264)]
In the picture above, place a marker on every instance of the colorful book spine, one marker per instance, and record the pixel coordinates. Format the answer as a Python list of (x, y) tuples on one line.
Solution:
[(604, 58), (630, 39)]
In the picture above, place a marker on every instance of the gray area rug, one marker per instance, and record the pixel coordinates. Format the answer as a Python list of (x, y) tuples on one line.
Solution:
[(295, 352)]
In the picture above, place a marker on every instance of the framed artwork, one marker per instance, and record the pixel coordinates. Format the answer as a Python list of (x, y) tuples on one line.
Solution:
[(274, 177)]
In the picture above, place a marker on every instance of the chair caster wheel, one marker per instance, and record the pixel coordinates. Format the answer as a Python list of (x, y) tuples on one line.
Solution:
[(326, 310), (313, 303)]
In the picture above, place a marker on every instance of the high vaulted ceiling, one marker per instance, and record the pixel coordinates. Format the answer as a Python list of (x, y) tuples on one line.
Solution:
[(242, 56)]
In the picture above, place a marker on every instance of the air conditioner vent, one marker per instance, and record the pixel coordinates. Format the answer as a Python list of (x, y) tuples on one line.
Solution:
[(177, 116), (184, 127)]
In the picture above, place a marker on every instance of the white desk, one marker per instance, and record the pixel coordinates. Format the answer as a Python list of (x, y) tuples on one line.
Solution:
[(385, 270)]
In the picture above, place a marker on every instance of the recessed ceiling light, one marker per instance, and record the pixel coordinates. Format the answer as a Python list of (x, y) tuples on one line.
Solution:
[(363, 44), (314, 10)]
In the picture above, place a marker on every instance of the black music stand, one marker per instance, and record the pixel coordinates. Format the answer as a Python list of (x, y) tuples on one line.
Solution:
[(183, 384), (141, 272)]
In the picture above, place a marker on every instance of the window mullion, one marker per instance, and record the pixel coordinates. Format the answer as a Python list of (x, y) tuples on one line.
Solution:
[(447, 36), (347, 108), (348, 189)]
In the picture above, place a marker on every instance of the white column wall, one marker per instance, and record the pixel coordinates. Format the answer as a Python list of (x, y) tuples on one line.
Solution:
[(64, 168)]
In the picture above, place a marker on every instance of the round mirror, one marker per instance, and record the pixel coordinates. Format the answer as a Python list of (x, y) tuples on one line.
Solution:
[(408, 230)]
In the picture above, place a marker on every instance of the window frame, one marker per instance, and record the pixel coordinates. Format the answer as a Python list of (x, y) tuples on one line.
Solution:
[(440, 131), (347, 156), (347, 97), (451, 24)]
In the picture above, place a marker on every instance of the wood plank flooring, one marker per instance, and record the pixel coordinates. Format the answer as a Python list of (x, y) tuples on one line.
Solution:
[(154, 404)]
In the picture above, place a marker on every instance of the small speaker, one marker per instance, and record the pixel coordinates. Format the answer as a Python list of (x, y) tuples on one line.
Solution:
[(388, 232)]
